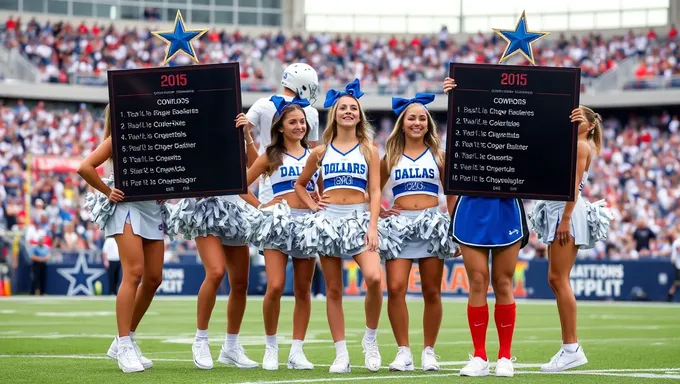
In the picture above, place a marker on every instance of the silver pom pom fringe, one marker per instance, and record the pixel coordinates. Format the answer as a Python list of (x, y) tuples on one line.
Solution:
[(393, 232), (317, 234), (212, 216), (433, 225), (598, 217), (99, 205), (276, 229), (538, 221)]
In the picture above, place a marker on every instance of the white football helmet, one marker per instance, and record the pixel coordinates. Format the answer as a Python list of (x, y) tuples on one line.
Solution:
[(303, 80)]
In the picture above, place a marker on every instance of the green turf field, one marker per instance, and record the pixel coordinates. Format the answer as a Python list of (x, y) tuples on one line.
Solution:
[(60, 340)]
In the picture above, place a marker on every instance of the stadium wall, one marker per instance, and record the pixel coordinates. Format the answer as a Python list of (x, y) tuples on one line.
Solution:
[(590, 279)]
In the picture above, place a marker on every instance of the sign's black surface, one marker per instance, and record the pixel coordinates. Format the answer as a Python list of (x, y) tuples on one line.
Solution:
[(173, 131), (509, 131)]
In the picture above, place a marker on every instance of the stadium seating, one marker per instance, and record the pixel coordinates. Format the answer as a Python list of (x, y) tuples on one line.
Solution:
[(638, 174)]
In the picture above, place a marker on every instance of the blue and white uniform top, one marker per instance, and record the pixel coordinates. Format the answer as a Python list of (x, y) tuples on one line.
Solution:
[(283, 179), (419, 176), (347, 170)]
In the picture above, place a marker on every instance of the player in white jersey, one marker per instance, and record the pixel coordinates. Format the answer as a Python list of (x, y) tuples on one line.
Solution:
[(298, 79), (282, 162), (350, 168), (414, 166)]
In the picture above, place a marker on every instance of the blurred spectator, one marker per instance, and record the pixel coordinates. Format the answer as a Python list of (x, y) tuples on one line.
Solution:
[(39, 256)]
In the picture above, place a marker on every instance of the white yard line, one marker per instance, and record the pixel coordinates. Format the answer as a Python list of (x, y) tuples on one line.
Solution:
[(539, 302)]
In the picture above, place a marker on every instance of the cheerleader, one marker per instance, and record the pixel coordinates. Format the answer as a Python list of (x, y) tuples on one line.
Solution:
[(138, 229), (483, 226), (298, 79), (567, 227), (350, 167), (221, 226), (413, 164), (281, 163)]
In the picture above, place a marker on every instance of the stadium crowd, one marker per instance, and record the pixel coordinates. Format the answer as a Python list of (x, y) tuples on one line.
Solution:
[(66, 53), (638, 174)]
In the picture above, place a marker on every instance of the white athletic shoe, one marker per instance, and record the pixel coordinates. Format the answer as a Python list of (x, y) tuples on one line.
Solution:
[(113, 353), (202, 357), (504, 367), (564, 360), (127, 358), (372, 358), (475, 367), (236, 356), (340, 365), (429, 360), (403, 361), (299, 361), (271, 358)]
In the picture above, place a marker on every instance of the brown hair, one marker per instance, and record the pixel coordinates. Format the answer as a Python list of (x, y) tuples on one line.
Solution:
[(595, 134), (394, 147), (364, 131), (277, 148)]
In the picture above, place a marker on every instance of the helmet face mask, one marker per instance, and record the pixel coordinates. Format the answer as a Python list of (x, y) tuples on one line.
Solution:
[(303, 80)]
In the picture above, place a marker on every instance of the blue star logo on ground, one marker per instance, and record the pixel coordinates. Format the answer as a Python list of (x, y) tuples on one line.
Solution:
[(81, 277), (520, 40), (179, 39)]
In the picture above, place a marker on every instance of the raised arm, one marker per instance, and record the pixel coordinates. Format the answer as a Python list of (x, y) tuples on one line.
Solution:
[(307, 173), (251, 151)]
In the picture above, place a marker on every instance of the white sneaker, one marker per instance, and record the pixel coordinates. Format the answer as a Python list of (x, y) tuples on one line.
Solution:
[(340, 365), (202, 357), (113, 353), (299, 361), (127, 359), (504, 367), (403, 361), (564, 360), (372, 358), (271, 358), (429, 360), (475, 367), (236, 356)]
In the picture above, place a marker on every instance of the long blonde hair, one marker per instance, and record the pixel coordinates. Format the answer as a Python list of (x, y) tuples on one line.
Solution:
[(595, 135), (364, 131), (394, 147), (107, 123)]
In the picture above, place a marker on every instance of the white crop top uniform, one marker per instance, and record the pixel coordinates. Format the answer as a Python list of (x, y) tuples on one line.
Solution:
[(284, 178), (419, 176), (347, 170)]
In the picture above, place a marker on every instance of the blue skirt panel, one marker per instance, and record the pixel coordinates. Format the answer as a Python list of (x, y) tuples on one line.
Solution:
[(489, 222)]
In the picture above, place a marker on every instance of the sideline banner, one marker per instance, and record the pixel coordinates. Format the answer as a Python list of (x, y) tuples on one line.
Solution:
[(591, 280)]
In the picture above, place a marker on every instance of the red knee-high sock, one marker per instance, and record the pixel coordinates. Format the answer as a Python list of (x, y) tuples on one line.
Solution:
[(505, 315), (478, 321)]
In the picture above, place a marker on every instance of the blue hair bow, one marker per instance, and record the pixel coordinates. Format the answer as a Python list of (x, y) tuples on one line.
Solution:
[(351, 89), (280, 103), (399, 104)]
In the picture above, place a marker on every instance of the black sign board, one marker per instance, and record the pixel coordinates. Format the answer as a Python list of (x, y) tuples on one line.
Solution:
[(173, 131), (509, 131)]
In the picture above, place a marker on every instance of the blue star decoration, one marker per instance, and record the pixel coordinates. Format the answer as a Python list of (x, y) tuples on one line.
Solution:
[(179, 39), (81, 277), (520, 40)]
